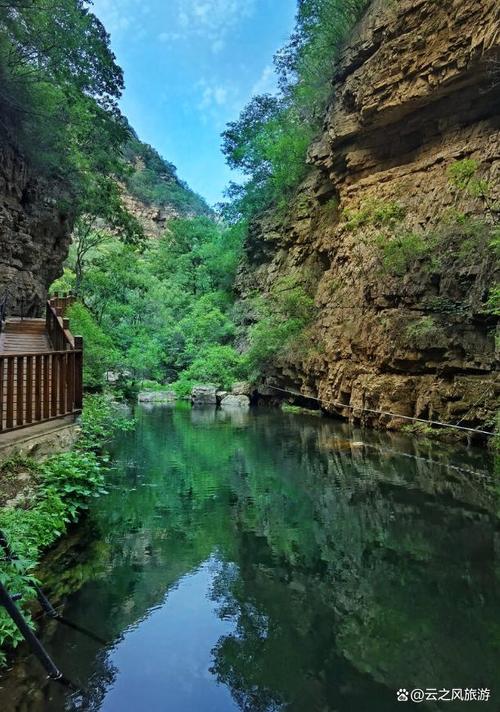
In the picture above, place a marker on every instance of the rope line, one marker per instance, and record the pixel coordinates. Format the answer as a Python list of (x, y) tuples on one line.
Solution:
[(337, 404)]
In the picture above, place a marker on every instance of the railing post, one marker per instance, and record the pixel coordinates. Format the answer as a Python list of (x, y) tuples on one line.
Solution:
[(78, 373), (2, 361), (9, 388)]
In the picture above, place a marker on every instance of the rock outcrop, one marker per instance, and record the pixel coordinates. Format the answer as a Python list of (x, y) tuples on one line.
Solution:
[(35, 230), (153, 218), (204, 395), (235, 401), (397, 258)]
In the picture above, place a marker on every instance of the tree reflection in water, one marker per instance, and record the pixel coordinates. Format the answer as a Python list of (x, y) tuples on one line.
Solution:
[(343, 570)]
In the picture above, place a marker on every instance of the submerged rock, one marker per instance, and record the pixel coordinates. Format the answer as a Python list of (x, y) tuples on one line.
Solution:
[(156, 397), (204, 395), (234, 401)]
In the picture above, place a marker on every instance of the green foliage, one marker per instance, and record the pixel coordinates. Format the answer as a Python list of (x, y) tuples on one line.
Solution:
[(463, 176), (461, 173), (401, 251), (420, 331), (153, 180), (281, 320), (153, 313), (74, 477), (63, 485), (220, 365), (100, 353), (269, 141), (420, 429), (60, 86), (494, 301), (101, 418), (375, 212), (59, 105)]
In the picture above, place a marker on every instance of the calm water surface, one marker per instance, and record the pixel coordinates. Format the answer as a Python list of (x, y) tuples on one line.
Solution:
[(266, 562)]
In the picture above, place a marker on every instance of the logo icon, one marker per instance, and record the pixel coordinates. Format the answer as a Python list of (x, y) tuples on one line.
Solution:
[(402, 695)]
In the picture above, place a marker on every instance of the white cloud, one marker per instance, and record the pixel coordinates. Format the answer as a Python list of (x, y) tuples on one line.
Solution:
[(117, 19), (216, 101), (212, 95), (266, 83), (212, 20)]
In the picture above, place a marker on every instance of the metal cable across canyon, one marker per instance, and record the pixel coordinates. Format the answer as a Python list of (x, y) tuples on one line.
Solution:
[(337, 404)]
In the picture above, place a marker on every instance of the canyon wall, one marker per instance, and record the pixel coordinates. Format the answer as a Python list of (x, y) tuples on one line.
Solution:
[(397, 256), (35, 230)]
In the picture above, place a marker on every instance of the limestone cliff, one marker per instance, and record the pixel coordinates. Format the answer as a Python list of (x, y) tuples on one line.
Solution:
[(35, 232), (397, 258)]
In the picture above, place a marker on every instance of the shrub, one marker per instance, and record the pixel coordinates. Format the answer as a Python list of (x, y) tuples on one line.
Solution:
[(402, 251), (220, 365), (64, 484), (100, 354), (421, 329), (374, 212), (281, 320)]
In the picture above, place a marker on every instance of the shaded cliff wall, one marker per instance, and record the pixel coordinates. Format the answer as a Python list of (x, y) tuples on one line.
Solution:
[(35, 232), (417, 89)]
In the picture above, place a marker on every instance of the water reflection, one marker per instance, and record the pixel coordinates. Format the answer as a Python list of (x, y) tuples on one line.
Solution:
[(261, 561)]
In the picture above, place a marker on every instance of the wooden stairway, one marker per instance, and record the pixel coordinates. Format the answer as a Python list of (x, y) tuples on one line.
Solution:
[(24, 336)]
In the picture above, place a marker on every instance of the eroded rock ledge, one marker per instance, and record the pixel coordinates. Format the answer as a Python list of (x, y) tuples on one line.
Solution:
[(417, 89)]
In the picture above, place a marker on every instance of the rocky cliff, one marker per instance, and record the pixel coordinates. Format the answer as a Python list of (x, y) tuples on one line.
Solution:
[(34, 232), (395, 252)]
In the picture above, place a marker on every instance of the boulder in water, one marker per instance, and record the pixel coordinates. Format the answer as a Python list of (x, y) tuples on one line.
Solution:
[(242, 388), (204, 395), (234, 401)]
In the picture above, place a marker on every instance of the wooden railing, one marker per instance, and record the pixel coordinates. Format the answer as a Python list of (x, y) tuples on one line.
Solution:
[(38, 387), (57, 325), (35, 387)]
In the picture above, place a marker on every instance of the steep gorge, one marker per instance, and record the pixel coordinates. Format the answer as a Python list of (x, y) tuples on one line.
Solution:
[(397, 258)]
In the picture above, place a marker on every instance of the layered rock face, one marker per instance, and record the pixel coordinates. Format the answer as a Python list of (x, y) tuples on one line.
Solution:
[(35, 232), (154, 219), (397, 257)]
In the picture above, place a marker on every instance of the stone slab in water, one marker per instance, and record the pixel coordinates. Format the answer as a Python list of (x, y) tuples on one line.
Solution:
[(156, 397)]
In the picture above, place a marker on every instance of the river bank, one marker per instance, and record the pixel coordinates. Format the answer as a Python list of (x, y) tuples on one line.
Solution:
[(41, 497)]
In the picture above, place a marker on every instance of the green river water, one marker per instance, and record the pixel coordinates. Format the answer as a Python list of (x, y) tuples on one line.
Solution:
[(266, 561)]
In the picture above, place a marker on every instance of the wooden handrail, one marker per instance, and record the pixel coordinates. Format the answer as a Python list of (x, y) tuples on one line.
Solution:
[(58, 329), (35, 387)]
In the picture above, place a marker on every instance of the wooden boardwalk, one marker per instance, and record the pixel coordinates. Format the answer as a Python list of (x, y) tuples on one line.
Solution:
[(40, 369)]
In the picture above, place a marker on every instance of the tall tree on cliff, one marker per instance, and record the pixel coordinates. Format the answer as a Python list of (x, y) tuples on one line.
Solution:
[(59, 91)]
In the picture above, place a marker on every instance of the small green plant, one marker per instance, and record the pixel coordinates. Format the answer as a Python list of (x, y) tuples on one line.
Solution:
[(463, 176), (402, 251), (374, 212), (100, 420), (421, 429), (421, 329), (462, 172)]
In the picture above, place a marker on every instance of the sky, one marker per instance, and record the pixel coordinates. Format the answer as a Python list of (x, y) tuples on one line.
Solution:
[(190, 66)]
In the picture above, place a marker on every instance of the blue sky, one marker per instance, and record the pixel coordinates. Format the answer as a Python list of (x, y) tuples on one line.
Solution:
[(190, 66)]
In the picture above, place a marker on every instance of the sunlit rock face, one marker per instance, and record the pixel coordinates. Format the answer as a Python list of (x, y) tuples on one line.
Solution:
[(406, 331), (35, 229)]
